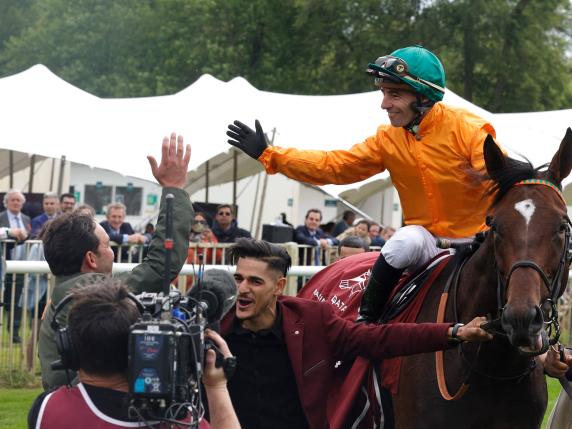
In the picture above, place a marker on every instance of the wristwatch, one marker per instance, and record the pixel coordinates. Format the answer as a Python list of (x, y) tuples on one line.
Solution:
[(454, 339)]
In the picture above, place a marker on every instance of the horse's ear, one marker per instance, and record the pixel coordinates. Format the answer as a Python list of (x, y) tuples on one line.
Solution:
[(494, 158), (561, 164)]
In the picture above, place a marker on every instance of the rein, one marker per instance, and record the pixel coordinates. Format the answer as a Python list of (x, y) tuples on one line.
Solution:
[(439, 363), (494, 326)]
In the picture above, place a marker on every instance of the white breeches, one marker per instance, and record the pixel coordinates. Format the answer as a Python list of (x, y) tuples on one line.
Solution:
[(412, 246)]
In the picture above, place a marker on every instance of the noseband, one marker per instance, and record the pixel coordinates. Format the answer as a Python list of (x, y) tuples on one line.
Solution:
[(553, 286)]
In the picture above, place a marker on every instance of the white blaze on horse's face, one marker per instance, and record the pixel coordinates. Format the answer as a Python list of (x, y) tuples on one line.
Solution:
[(526, 208)]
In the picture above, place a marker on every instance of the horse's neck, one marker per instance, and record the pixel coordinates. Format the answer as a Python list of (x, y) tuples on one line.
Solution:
[(477, 286)]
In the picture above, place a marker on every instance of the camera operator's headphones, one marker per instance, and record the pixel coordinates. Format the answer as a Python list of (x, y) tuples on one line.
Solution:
[(69, 357)]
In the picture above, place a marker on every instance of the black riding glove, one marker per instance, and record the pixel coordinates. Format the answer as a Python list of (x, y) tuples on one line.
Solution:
[(246, 139)]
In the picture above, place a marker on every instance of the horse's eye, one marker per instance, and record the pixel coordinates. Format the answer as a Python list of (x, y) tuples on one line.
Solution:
[(563, 227), (490, 222)]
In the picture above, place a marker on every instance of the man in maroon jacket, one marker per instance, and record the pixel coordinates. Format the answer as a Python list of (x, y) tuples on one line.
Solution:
[(287, 347)]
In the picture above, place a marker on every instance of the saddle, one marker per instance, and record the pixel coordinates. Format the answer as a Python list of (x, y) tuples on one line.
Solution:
[(418, 283), (410, 286), (409, 295)]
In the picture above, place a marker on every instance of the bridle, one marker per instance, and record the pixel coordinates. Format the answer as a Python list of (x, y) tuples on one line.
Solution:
[(494, 326), (553, 286)]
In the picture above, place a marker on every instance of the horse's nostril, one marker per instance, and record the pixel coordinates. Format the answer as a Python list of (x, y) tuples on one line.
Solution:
[(522, 325), (538, 320)]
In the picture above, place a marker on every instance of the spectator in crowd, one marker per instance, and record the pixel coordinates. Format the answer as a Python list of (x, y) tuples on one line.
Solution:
[(34, 295), (287, 347), (122, 232), (14, 225), (86, 209), (387, 232), (328, 229), (225, 227), (375, 235), (51, 206), (38, 283), (310, 234), (99, 322), (360, 229), (201, 233), (351, 245), (77, 250), (67, 203), (347, 220), (149, 230)]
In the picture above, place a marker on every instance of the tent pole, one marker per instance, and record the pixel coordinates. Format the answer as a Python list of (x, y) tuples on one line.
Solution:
[(207, 181), (52, 175), (254, 202), (234, 175), (31, 178), (61, 178), (11, 156), (263, 196)]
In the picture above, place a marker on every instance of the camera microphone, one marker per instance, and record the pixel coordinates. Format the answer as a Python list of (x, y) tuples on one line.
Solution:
[(216, 294)]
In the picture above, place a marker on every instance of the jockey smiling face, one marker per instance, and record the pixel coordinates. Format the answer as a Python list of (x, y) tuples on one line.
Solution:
[(412, 80), (397, 103)]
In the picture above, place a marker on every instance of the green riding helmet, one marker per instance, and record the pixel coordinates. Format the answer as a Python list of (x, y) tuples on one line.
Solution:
[(415, 66)]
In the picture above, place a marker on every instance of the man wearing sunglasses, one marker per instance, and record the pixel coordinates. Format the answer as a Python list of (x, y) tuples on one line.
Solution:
[(433, 152), (225, 227)]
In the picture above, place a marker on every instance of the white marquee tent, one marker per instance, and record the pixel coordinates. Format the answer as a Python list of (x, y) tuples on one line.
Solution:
[(42, 114)]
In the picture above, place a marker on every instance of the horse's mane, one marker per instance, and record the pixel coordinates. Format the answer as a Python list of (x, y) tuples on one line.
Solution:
[(514, 172)]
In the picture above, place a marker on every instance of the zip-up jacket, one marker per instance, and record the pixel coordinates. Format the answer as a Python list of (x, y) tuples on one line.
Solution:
[(438, 174)]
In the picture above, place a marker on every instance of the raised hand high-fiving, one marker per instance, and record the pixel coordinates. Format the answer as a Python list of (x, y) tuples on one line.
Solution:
[(175, 157), (251, 142)]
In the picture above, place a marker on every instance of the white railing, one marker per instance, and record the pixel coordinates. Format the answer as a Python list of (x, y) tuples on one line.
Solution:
[(41, 267), (22, 279)]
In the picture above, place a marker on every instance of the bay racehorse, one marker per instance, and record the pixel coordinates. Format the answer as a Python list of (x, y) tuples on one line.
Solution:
[(516, 275)]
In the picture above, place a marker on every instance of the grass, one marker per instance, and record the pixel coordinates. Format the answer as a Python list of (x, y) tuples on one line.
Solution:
[(14, 406), (15, 403), (553, 392)]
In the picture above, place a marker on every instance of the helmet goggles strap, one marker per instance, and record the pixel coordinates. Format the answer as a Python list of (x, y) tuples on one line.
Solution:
[(398, 67)]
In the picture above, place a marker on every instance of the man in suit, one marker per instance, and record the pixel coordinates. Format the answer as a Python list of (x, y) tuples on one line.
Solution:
[(311, 234), (67, 203), (51, 206), (287, 347), (14, 225), (121, 232)]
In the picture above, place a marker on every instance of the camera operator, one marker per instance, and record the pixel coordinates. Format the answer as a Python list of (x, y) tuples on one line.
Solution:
[(77, 251), (99, 323)]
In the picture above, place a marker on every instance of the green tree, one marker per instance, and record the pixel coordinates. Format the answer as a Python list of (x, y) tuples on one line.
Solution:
[(504, 55)]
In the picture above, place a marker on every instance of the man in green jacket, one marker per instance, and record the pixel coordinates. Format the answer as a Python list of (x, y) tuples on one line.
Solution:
[(78, 252)]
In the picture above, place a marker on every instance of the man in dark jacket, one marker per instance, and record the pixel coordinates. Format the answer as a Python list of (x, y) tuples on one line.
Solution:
[(287, 347), (225, 227), (122, 232), (310, 234), (78, 252)]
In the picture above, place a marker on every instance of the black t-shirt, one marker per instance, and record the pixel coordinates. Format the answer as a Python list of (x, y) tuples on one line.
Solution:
[(263, 389)]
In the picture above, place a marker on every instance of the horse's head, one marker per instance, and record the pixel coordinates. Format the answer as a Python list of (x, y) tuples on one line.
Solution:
[(530, 230)]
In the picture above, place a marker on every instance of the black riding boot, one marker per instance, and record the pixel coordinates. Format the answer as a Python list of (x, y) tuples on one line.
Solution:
[(381, 282)]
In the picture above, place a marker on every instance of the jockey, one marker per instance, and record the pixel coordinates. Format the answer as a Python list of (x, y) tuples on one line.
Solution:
[(434, 155)]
